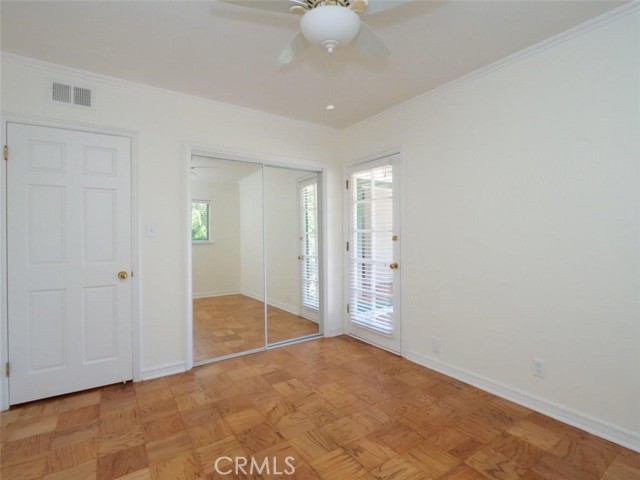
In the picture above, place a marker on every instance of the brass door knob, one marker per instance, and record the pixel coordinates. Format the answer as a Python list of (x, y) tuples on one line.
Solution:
[(122, 275), (300, 257), (393, 266)]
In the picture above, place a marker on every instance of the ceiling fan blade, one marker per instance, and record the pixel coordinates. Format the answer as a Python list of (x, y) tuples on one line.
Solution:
[(370, 43), (280, 6), (377, 6), (294, 48)]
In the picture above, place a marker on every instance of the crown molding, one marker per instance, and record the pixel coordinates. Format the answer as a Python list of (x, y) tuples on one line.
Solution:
[(118, 82), (611, 16)]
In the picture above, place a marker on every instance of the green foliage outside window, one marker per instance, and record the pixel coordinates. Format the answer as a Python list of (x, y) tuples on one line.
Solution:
[(200, 221)]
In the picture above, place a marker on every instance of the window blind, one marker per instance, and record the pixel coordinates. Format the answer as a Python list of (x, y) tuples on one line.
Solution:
[(309, 270), (371, 249)]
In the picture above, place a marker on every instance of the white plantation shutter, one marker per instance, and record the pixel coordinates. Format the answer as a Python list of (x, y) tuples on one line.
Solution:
[(371, 248), (309, 270)]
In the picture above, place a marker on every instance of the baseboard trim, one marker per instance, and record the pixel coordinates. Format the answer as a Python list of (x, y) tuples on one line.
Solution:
[(273, 303), (285, 307), (255, 296), (215, 294), (164, 370), (600, 428)]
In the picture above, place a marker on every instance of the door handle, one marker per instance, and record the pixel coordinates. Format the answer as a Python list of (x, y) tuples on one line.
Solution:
[(393, 266), (122, 275), (300, 257)]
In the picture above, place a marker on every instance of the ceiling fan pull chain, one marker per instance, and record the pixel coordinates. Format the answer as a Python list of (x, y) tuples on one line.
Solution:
[(329, 82)]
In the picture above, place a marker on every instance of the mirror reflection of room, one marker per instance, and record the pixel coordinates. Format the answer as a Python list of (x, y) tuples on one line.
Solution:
[(246, 220), (227, 257), (291, 247)]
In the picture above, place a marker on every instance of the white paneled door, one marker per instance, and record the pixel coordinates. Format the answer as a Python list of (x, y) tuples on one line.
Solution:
[(374, 252), (69, 249)]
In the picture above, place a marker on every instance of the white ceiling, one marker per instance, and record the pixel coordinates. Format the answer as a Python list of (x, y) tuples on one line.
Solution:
[(229, 53)]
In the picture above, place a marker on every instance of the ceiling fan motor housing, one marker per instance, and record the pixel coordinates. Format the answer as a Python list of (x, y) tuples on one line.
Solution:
[(329, 26)]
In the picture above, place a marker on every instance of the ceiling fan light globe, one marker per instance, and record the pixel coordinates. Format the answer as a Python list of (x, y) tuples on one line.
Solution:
[(330, 25)]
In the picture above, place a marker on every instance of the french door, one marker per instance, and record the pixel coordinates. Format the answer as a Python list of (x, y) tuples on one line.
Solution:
[(374, 252), (309, 266), (69, 259)]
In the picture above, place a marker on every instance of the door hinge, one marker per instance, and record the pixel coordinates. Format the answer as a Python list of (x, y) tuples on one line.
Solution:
[(347, 184), (347, 246), (7, 369), (5, 152), (347, 311)]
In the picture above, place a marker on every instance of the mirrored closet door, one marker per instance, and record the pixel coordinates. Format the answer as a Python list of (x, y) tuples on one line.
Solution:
[(255, 255), (291, 253), (227, 261)]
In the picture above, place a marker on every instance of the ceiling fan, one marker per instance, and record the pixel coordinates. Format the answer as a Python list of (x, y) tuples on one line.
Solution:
[(329, 24)]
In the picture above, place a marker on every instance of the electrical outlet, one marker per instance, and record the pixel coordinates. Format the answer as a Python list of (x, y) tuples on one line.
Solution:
[(537, 367), (436, 346)]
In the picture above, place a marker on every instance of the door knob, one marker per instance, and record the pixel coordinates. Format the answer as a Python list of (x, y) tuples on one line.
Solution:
[(393, 266), (122, 275), (300, 257)]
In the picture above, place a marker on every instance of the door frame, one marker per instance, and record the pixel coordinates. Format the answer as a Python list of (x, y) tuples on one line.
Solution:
[(346, 229), (136, 304), (266, 160)]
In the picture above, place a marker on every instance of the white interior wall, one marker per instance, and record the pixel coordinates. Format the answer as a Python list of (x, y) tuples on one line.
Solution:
[(520, 233), (165, 123), (282, 231), (216, 264)]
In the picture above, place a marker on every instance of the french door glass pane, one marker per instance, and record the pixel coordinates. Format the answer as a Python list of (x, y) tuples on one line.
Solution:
[(371, 251)]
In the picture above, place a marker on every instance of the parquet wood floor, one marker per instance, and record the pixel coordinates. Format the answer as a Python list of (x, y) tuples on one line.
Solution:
[(343, 409), (235, 323)]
